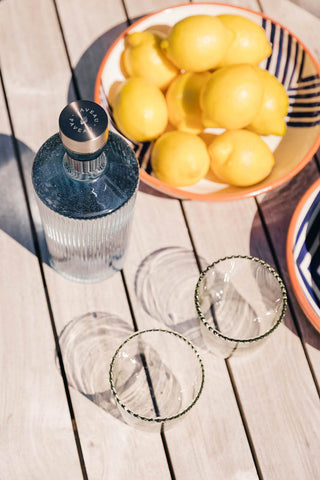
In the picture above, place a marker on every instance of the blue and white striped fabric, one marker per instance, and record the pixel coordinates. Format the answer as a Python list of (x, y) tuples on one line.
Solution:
[(306, 253), (294, 69)]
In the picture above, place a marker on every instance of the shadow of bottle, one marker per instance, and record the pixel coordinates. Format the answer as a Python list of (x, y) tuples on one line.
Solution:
[(164, 285), (14, 214), (87, 345)]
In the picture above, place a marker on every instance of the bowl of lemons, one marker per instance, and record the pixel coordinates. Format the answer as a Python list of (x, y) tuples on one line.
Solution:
[(218, 102)]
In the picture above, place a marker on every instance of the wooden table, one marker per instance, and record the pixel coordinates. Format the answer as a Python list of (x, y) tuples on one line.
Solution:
[(258, 417)]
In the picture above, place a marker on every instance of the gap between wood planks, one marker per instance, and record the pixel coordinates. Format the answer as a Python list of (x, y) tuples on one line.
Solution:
[(78, 96), (37, 249), (229, 370), (38, 253), (163, 438)]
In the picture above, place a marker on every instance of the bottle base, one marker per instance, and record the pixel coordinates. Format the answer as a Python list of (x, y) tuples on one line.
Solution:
[(89, 277)]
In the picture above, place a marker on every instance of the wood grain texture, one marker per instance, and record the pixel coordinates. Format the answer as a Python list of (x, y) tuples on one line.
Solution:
[(305, 25), (252, 4), (311, 6), (47, 75), (36, 431), (33, 75), (302, 23), (90, 30), (71, 303), (77, 23), (92, 321), (145, 7), (161, 274), (254, 378), (167, 231), (276, 392), (278, 221), (267, 388)]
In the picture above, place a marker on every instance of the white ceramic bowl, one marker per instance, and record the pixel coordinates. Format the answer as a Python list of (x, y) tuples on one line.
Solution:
[(303, 253), (290, 61)]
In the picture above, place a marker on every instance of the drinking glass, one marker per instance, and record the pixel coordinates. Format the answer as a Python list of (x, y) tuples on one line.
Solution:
[(240, 301), (156, 377)]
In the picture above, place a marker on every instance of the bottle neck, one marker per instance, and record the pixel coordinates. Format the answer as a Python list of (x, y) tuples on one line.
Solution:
[(84, 167)]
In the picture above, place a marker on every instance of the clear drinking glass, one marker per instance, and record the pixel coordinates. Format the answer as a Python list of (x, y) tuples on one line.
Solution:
[(240, 301), (156, 377)]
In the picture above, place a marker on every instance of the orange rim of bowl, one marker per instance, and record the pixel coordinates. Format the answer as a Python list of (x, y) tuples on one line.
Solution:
[(303, 302), (222, 197)]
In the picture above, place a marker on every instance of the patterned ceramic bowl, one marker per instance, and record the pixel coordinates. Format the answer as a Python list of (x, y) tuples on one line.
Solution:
[(303, 253), (290, 61)]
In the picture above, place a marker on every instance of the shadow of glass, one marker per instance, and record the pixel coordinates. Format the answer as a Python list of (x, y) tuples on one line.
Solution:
[(279, 219), (87, 345), (164, 284), (146, 382)]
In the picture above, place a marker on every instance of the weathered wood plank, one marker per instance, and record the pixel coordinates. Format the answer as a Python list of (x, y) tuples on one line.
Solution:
[(37, 439), (236, 214), (299, 21), (269, 382), (256, 382), (166, 230), (306, 27), (278, 220), (41, 78), (252, 4), (90, 30), (92, 321), (311, 6), (145, 7), (161, 299), (161, 274), (276, 385)]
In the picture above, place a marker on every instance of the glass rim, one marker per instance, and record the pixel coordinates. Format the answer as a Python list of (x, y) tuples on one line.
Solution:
[(155, 419), (275, 275)]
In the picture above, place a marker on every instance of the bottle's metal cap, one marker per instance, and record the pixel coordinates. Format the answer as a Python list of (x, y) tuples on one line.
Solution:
[(83, 127)]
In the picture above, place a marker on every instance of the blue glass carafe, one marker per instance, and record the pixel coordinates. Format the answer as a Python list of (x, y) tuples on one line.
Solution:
[(86, 180)]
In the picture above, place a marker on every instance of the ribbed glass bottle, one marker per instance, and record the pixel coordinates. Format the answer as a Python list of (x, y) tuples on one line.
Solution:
[(86, 189)]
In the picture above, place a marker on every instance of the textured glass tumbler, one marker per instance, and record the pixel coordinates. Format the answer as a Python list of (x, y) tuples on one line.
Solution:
[(156, 377), (240, 301)]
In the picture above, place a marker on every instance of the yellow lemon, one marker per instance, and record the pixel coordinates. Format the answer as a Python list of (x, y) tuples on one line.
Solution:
[(140, 110), (240, 157), (270, 119), (142, 57), (197, 43), (183, 97), (179, 158), (250, 43), (231, 97)]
